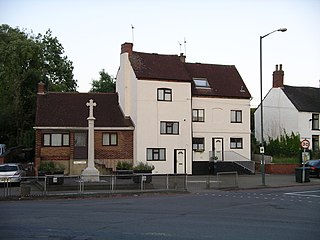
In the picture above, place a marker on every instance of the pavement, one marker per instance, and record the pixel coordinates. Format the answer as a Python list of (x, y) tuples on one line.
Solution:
[(210, 183)]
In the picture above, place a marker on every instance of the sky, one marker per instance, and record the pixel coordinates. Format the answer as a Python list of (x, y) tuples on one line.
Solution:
[(215, 32)]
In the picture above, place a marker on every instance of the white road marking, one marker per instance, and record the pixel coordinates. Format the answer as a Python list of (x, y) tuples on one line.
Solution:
[(305, 194)]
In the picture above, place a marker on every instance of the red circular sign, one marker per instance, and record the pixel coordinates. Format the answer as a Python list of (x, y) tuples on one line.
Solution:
[(305, 144)]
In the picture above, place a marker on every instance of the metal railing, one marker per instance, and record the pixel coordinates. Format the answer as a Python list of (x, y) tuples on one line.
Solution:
[(54, 185)]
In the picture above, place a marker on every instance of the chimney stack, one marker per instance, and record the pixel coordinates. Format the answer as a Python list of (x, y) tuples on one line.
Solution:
[(41, 88), (278, 77), (182, 58), (127, 48)]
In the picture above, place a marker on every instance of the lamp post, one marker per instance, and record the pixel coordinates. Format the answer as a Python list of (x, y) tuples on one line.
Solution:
[(261, 107)]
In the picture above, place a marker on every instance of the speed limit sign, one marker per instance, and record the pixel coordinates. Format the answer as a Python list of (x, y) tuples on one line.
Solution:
[(305, 144)]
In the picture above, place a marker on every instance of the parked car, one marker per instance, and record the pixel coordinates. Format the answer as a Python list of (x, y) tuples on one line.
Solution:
[(11, 172), (314, 166)]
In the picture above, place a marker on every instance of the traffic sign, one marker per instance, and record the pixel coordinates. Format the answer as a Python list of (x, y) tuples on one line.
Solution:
[(305, 144)]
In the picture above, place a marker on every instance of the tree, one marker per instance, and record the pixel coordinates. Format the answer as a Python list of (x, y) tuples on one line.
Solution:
[(25, 60), (106, 83)]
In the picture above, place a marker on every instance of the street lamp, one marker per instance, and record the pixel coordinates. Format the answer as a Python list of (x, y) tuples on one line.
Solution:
[(261, 107)]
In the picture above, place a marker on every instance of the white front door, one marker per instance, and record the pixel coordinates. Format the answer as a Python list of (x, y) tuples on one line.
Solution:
[(217, 148), (180, 161)]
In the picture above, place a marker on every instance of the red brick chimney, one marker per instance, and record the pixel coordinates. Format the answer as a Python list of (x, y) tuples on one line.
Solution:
[(41, 88), (278, 77), (127, 48)]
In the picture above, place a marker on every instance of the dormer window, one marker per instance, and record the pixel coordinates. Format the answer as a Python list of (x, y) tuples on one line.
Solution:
[(201, 83)]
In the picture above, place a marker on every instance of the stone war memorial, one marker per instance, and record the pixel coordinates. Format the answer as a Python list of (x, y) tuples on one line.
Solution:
[(90, 174)]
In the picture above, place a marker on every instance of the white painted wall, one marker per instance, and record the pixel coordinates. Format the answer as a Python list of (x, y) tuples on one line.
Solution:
[(150, 112), (126, 87), (218, 125), (305, 126), (281, 115)]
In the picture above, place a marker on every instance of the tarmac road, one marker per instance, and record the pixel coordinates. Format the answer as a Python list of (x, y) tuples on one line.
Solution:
[(282, 213)]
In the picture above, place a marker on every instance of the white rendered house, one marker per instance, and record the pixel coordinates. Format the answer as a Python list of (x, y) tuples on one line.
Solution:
[(288, 109), (184, 113)]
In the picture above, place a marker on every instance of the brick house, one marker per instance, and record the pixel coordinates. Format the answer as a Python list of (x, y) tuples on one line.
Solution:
[(61, 130)]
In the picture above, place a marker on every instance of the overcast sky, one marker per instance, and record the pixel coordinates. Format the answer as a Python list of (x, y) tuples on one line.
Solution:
[(217, 32)]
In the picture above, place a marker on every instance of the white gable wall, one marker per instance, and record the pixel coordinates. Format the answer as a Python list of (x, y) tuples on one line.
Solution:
[(126, 87), (279, 116)]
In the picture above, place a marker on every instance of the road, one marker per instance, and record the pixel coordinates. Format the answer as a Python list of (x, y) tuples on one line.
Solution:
[(287, 213)]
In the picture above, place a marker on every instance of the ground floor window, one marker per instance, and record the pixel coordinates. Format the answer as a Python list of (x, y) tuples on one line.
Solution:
[(198, 144), (56, 139), (156, 154), (236, 143), (109, 139)]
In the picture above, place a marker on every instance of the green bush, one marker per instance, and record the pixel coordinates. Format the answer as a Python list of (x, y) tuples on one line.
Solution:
[(143, 167), (284, 146), (293, 160), (50, 167), (124, 166)]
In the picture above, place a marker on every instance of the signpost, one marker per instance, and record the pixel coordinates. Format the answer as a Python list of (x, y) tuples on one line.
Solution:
[(305, 144)]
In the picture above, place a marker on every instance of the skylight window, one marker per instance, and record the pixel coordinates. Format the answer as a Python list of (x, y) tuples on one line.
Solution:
[(201, 83)]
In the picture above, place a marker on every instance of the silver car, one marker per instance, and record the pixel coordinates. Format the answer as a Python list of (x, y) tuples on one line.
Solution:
[(11, 173)]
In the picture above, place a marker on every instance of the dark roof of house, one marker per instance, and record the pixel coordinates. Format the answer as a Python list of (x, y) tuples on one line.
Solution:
[(224, 80), (160, 67), (70, 110), (305, 99)]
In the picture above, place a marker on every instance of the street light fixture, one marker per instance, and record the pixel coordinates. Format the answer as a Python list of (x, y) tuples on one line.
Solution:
[(261, 107)]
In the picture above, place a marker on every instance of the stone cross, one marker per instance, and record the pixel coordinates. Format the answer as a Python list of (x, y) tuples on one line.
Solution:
[(90, 174), (91, 104)]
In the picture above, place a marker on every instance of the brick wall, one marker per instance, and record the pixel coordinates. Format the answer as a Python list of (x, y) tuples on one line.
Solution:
[(124, 149), (277, 168), (108, 156)]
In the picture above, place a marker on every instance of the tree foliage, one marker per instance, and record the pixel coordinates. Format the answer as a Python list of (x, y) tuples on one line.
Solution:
[(106, 83), (25, 60)]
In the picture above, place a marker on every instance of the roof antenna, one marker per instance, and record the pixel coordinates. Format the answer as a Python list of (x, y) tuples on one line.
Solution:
[(132, 29), (180, 46), (185, 46)]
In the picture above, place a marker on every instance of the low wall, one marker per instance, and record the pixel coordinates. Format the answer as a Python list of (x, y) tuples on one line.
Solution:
[(280, 168)]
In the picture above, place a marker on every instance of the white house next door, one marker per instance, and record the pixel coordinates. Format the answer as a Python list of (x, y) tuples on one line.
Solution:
[(180, 161)]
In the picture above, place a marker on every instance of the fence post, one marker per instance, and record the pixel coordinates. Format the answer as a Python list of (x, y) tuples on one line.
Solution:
[(208, 182), (186, 182), (6, 187), (142, 180), (45, 186), (113, 179)]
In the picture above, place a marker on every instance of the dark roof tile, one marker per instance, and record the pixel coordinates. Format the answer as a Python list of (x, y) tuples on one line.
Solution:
[(70, 110), (305, 99), (156, 66), (224, 80)]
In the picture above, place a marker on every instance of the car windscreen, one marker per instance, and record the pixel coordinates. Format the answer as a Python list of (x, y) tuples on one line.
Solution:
[(7, 168), (313, 163)]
